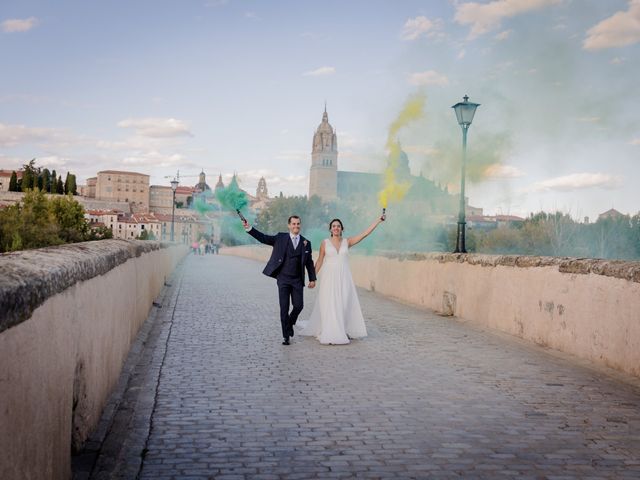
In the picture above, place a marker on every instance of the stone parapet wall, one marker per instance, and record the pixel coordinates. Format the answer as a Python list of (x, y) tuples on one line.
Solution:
[(68, 316), (586, 307)]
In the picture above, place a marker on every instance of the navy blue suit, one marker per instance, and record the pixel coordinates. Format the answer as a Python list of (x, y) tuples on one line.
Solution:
[(287, 265)]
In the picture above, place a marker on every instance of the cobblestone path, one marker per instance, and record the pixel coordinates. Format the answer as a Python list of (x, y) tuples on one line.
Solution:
[(422, 397)]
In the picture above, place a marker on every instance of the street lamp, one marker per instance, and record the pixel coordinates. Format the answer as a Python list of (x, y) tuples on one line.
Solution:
[(464, 112), (174, 187)]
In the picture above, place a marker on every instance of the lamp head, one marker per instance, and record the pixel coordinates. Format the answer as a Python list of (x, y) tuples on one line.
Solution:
[(174, 184), (465, 111)]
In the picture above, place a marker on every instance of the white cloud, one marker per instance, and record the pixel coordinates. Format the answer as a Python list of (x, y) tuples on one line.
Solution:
[(484, 17), (576, 181), (617, 60), (416, 27), (619, 30), (157, 127), (19, 24), (155, 159), (216, 3), (320, 71), (589, 119), (293, 156), (498, 170), (53, 161), (503, 35), (461, 54), (430, 77), (12, 135), (635, 141)]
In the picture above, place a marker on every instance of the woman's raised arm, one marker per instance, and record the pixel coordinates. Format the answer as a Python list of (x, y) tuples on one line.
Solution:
[(358, 238)]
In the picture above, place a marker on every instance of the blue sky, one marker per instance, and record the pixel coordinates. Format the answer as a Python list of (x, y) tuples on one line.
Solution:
[(160, 85)]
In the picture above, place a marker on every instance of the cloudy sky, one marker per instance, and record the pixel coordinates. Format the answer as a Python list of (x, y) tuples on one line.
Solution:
[(157, 86)]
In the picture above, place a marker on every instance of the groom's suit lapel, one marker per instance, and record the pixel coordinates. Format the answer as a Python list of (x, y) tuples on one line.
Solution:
[(302, 243)]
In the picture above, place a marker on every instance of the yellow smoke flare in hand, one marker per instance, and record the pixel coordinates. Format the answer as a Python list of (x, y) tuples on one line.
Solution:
[(393, 189)]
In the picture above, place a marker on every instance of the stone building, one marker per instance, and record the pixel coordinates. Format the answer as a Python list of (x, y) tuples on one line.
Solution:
[(160, 198), (129, 187), (323, 176), (89, 190), (261, 192), (5, 178), (330, 184)]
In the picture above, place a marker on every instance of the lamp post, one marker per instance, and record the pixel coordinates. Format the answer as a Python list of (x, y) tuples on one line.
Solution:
[(174, 187), (464, 112)]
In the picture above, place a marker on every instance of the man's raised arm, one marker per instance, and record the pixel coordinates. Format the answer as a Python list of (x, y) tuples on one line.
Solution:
[(258, 235)]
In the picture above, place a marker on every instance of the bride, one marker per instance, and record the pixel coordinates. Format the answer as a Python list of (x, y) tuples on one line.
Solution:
[(336, 315)]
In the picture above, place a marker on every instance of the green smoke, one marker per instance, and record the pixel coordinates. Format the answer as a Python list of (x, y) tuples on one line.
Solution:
[(231, 197)]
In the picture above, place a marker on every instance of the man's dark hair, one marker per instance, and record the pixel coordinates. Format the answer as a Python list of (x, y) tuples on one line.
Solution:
[(294, 216)]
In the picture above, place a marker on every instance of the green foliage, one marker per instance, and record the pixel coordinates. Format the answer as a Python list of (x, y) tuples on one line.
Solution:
[(13, 182), (30, 224), (69, 215), (557, 234), (30, 175), (46, 180), (100, 232), (70, 187), (39, 222), (146, 235), (59, 186), (542, 234), (53, 182)]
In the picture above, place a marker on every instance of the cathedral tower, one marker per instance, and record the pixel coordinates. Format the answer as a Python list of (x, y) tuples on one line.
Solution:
[(323, 177), (262, 192)]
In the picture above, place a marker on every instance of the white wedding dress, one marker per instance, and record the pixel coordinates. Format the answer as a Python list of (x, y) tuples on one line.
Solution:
[(336, 315)]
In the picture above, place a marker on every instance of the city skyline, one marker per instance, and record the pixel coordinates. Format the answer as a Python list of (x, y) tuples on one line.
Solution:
[(240, 86)]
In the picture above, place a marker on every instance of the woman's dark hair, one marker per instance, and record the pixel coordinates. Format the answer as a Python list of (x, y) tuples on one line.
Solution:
[(336, 220)]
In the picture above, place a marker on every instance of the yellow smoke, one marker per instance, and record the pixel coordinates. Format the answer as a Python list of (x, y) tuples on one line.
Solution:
[(394, 190)]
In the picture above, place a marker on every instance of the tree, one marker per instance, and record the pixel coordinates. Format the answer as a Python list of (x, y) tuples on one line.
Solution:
[(69, 215), (29, 224), (100, 232), (60, 186), (70, 187), (53, 185), (74, 185), (501, 240), (39, 222), (146, 235), (46, 180), (27, 180), (30, 175), (13, 182)]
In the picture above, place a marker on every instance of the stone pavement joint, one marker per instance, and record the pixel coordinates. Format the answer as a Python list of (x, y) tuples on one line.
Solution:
[(214, 394)]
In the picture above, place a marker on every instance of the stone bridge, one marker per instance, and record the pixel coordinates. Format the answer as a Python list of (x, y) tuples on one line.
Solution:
[(208, 391)]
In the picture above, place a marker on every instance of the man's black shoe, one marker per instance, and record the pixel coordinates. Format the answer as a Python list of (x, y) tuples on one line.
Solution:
[(286, 341)]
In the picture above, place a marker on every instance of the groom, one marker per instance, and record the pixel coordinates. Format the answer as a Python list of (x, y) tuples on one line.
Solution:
[(290, 256)]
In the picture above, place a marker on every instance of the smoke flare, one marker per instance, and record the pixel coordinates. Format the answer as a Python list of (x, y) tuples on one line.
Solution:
[(394, 190), (231, 197)]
